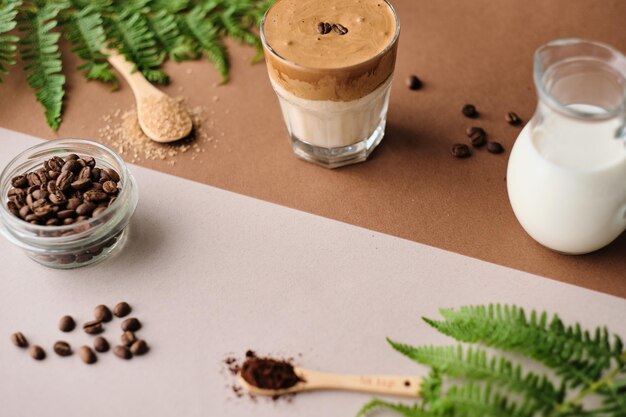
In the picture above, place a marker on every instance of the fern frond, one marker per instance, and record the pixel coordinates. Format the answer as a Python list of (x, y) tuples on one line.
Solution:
[(170, 6), (576, 355), (473, 400), (165, 28), (206, 34), (405, 410), (475, 364), (131, 35), (8, 12), (235, 31), (41, 51), (86, 33)]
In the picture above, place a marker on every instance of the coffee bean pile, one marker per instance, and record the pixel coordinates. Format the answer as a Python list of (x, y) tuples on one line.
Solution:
[(130, 345), (63, 191)]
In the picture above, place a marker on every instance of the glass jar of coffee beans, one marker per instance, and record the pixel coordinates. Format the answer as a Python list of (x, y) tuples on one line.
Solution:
[(67, 202)]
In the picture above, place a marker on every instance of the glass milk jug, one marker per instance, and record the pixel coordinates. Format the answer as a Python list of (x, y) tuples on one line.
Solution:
[(567, 171)]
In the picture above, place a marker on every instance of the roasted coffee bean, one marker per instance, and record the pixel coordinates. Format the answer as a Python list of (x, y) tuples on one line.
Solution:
[(55, 221), (37, 352), (33, 179), (112, 174), (65, 180), (340, 29), (38, 203), (31, 218), (102, 313), (85, 173), (39, 194), (495, 147), (477, 136), (122, 309), (51, 187), (414, 83), (132, 324), (81, 219), (68, 221), (82, 184), (13, 208), (44, 212), (84, 257), (98, 211), (43, 175), (93, 327), (53, 175), (24, 211), (96, 187), (460, 150), (128, 338), (56, 164), (66, 214), (71, 156), (85, 209), (100, 344), (139, 347), (512, 118), (95, 196), (73, 203), (321, 29), (89, 161), (67, 324), (58, 198), (109, 187), (19, 340), (62, 348), (87, 355), (469, 110), (122, 352), (20, 181), (72, 166), (95, 174)]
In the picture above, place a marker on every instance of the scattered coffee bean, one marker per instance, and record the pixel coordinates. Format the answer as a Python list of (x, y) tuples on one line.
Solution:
[(460, 150), (62, 348), (340, 29), (495, 147), (37, 352), (100, 344), (414, 83), (122, 352), (131, 325), (139, 347), (93, 327), (512, 118), (87, 355), (469, 110), (128, 338), (19, 340), (102, 313), (122, 309), (67, 324), (477, 136)]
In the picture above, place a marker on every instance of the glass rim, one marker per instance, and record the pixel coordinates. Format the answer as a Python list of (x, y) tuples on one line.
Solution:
[(34, 152), (540, 84), (387, 48)]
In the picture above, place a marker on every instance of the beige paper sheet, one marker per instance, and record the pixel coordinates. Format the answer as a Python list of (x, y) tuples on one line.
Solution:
[(211, 273)]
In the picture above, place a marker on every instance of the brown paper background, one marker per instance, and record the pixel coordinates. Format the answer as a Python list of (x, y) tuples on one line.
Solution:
[(476, 52)]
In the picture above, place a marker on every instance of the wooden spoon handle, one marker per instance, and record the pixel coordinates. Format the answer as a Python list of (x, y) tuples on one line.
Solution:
[(405, 386), (140, 86)]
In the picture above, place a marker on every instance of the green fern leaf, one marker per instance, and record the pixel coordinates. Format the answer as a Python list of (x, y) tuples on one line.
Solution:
[(41, 52), (576, 355), (206, 34), (474, 364), (86, 33), (405, 410), (169, 6), (131, 35), (473, 400), (8, 12), (165, 28), (235, 31)]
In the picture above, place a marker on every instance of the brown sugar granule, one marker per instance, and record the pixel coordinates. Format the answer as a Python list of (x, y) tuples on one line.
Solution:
[(165, 116), (267, 373)]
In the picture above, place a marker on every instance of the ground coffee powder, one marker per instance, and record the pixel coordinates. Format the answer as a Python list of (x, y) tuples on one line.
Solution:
[(267, 373)]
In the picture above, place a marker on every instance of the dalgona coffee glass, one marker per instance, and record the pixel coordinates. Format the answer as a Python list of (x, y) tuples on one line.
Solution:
[(331, 66)]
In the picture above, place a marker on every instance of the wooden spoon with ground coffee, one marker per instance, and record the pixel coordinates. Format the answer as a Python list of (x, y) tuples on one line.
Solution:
[(272, 378), (161, 118)]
